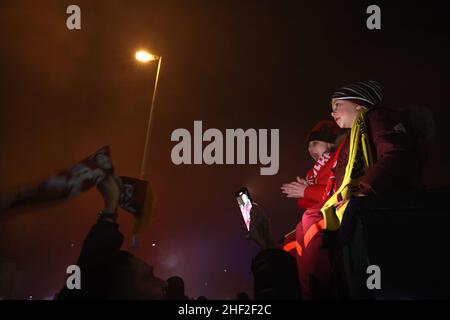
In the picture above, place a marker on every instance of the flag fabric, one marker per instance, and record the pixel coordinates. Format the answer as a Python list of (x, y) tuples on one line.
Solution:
[(135, 195), (136, 198), (66, 183)]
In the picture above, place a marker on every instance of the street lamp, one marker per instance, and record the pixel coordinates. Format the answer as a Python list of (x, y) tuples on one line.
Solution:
[(143, 57)]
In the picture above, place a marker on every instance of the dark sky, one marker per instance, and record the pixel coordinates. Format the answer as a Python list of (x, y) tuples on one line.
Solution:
[(231, 64)]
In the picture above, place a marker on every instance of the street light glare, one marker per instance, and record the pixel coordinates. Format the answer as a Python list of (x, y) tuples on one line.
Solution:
[(144, 56)]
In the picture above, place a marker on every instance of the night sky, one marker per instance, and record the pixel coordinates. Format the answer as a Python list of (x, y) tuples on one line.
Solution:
[(231, 64)]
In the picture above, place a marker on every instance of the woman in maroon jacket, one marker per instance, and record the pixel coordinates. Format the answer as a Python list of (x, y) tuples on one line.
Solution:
[(396, 163), (395, 167)]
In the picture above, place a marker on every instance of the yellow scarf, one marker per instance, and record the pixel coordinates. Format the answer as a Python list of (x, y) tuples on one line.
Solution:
[(359, 161)]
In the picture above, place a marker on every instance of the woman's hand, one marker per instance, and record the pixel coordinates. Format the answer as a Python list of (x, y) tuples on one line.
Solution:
[(260, 228), (356, 193), (110, 187), (339, 205)]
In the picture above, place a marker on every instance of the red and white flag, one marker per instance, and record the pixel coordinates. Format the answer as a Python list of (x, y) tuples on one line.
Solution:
[(135, 196), (64, 184)]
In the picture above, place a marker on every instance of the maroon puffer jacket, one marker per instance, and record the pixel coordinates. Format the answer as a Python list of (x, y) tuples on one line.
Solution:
[(396, 162)]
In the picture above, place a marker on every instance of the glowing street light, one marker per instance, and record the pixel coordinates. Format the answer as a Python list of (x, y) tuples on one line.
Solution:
[(144, 57)]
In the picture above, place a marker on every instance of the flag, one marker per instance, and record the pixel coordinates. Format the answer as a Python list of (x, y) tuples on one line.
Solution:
[(135, 195), (136, 198), (66, 183)]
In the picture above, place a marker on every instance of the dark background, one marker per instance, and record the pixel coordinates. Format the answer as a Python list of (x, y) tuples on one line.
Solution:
[(231, 64)]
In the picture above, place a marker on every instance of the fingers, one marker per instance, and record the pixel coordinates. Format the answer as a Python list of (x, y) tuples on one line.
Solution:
[(292, 185), (108, 179), (254, 209), (305, 182), (118, 181), (294, 189), (288, 191), (293, 195), (339, 204), (287, 184), (359, 194), (301, 181)]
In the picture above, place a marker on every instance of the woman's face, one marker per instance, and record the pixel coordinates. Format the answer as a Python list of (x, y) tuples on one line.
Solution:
[(345, 112)]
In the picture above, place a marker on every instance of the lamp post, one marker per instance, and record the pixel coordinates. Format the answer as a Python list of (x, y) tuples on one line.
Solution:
[(145, 57)]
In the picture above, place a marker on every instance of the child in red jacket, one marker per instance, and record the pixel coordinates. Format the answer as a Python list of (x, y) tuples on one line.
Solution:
[(320, 140), (309, 191)]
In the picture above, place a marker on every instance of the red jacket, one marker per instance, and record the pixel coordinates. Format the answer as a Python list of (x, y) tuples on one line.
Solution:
[(396, 165), (314, 192)]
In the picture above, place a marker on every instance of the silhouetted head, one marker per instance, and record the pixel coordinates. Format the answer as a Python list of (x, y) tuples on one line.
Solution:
[(175, 288), (275, 275), (242, 296)]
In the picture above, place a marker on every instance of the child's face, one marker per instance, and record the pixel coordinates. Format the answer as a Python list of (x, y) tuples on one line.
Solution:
[(318, 148), (345, 112)]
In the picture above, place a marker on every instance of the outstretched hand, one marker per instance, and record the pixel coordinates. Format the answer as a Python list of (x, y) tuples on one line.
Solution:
[(260, 228), (110, 188)]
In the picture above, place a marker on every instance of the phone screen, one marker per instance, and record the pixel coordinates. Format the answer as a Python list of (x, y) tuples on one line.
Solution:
[(245, 204)]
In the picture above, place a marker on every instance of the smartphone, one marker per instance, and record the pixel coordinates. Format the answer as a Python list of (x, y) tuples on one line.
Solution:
[(245, 203)]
